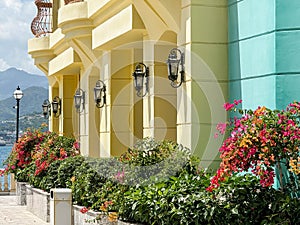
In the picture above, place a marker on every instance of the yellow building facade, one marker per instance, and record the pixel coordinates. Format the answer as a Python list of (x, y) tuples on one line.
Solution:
[(94, 40)]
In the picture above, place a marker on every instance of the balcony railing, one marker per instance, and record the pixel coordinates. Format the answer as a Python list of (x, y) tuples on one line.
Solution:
[(72, 1), (41, 24)]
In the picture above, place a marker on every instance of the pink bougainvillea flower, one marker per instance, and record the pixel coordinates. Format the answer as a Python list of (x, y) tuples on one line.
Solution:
[(258, 140), (221, 127), (236, 102), (120, 176), (228, 106)]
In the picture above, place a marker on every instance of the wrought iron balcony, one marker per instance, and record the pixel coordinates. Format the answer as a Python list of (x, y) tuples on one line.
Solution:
[(72, 1), (42, 23)]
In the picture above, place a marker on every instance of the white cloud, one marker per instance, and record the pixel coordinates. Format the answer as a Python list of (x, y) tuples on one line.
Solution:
[(3, 65), (15, 30)]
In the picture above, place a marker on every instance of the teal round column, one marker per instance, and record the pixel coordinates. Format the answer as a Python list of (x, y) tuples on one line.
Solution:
[(264, 67)]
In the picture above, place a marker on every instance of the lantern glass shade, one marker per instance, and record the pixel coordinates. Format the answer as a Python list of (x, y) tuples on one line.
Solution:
[(139, 78), (78, 98), (46, 107), (141, 71), (18, 94), (99, 93), (56, 106), (173, 65)]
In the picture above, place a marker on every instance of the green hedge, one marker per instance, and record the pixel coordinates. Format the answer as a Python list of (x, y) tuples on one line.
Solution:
[(159, 182)]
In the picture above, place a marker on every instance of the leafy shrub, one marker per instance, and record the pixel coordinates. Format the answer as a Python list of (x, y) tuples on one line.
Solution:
[(170, 202), (155, 182), (86, 184), (49, 178), (260, 141), (101, 183), (21, 154), (183, 200), (35, 151), (153, 161), (59, 174), (66, 170)]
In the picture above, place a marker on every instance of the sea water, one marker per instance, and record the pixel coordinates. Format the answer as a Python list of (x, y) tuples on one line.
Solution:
[(4, 153)]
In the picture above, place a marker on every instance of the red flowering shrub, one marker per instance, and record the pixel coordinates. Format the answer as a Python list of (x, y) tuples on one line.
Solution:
[(54, 147), (258, 141), (36, 150), (22, 151)]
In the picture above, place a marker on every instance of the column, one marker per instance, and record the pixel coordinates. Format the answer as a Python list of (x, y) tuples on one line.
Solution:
[(203, 37), (159, 107)]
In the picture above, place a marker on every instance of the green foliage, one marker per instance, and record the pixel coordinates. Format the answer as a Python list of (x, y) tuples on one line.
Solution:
[(154, 161), (58, 175), (156, 182), (66, 170), (86, 185), (259, 141), (172, 202), (35, 151), (183, 200)]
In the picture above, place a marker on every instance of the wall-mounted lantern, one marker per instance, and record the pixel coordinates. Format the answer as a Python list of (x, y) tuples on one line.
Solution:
[(100, 93), (79, 100), (141, 71), (176, 60), (56, 106), (46, 108)]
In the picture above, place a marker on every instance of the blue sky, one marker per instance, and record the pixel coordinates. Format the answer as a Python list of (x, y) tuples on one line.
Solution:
[(15, 20)]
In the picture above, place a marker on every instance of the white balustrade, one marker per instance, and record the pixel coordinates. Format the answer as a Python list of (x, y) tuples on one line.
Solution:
[(7, 184)]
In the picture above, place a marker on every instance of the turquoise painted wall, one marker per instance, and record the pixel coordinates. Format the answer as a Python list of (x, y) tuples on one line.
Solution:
[(264, 52)]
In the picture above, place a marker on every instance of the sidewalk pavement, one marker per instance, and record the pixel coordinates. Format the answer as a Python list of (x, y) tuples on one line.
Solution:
[(13, 214)]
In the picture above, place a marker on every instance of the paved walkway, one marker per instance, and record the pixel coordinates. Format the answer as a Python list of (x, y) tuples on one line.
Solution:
[(13, 214)]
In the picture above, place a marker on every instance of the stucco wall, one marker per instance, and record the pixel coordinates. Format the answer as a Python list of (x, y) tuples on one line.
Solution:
[(263, 60)]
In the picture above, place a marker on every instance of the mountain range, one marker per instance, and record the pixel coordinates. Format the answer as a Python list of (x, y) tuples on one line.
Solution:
[(11, 78), (30, 103), (34, 87)]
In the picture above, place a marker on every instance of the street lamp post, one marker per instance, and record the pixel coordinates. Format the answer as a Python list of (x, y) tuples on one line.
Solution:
[(18, 94)]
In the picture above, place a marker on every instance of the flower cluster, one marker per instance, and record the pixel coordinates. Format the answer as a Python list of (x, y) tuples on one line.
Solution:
[(120, 176), (22, 151), (295, 165), (54, 147), (258, 141), (84, 210), (37, 149), (104, 207)]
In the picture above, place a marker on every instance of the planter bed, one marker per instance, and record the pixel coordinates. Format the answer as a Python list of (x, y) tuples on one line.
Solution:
[(89, 218), (38, 202), (21, 192)]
